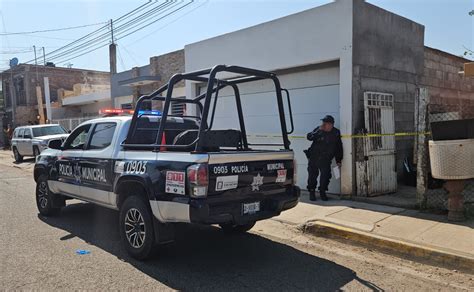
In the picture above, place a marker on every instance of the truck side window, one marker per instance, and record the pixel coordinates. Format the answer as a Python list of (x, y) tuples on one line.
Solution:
[(77, 139), (20, 133), (102, 136)]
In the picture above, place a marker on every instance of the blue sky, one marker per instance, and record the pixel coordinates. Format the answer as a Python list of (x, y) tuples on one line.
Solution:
[(447, 25)]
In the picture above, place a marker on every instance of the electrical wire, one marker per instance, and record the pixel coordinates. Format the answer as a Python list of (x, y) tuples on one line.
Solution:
[(171, 22), (102, 39), (16, 52), (174, 11), (89, 35), (120, 58), (50, 30), (86, 47), (127, 26), (130, 55)]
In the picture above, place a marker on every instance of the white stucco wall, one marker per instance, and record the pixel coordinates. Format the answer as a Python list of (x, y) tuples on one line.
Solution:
[(313, 36)]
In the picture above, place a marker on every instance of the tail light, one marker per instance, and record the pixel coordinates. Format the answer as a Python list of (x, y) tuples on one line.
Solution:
[(198, 180), (295, 172)]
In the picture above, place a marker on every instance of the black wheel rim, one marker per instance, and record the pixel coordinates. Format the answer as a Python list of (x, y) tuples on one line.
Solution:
[(135, 230), (43, 195)]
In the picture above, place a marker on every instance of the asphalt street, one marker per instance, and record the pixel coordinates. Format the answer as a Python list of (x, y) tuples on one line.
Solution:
[(40, 253)]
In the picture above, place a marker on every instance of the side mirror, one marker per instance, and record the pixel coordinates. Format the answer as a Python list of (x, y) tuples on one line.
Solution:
[(55, 144)]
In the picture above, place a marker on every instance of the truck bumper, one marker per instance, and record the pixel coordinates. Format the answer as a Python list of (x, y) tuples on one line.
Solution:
[(215, 210)]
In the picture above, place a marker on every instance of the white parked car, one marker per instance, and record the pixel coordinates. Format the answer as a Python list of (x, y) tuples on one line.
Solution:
[(31, 140)]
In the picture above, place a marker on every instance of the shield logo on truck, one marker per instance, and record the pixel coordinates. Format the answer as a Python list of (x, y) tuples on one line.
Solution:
[(257, 182)]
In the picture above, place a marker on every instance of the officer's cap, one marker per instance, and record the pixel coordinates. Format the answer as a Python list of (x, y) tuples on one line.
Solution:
[(328, 119)]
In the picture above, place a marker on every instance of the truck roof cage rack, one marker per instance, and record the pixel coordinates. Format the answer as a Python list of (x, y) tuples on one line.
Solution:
[(214, 84)]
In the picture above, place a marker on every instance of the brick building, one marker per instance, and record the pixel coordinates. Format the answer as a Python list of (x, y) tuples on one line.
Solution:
[(19, 87), (128, 85)]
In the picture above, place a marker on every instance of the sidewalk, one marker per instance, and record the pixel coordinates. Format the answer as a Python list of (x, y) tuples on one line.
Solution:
[(426, 237)]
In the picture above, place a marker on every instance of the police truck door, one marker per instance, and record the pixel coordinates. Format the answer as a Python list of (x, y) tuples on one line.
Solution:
[(68, 170), (97, 165)]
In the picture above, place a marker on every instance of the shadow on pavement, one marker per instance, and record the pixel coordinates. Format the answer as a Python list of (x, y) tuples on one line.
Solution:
[(203, 257)]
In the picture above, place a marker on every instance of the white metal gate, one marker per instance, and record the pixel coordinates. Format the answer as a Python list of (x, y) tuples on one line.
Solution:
[(379, 144)]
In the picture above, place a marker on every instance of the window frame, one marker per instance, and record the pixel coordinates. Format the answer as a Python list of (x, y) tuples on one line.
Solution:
[(28, 130), (91, 135), (21, 131), (91, 126)]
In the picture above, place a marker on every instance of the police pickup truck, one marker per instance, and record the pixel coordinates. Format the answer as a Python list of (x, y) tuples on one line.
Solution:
[(158, 168)]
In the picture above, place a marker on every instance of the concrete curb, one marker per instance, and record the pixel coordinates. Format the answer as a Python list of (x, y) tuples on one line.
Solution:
[(412, 251)]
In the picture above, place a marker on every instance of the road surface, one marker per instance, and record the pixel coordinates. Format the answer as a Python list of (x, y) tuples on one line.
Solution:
[(40, 253)]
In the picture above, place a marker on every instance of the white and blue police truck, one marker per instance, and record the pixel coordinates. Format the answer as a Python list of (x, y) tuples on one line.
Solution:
[(158, 168)]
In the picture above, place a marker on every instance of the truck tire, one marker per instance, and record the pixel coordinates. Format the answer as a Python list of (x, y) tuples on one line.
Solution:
[(36, 151), (44, 197), (233, 228), (136, 228), (16, 154)]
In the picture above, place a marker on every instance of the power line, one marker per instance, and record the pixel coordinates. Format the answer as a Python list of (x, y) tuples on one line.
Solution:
[(174, 11), (103, 39), (89, 35), (50, 30), (129, 23), (105, 27), (11, 52), (171, 22), (121, 60), (130, 55), (41, 37)]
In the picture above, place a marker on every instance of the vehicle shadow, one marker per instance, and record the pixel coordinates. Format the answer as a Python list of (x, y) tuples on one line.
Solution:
[(204, 258)]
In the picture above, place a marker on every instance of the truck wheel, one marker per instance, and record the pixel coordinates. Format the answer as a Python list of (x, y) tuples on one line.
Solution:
[(136, 228), (16, 154), (233, 228), (36, 151), (44, 197)]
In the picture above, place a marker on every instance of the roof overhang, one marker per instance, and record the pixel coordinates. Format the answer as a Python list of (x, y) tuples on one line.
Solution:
[(140, 81), (86, 98)]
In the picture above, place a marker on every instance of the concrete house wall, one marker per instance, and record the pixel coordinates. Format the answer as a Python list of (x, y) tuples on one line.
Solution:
[(388, 57), (314, 36)]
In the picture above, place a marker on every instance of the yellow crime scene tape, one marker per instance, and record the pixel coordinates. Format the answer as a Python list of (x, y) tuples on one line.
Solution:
[(348, 136)]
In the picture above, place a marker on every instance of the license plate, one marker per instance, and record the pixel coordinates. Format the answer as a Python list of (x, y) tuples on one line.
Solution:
[(250, 208)]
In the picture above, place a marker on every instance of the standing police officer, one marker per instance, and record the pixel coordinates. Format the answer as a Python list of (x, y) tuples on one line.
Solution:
[(326, 145)]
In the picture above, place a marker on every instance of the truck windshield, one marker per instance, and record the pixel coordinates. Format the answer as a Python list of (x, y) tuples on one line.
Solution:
[(50, 130)]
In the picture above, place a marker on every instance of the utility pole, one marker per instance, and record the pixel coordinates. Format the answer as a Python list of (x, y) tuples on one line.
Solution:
[(44, 57), (13, 96), (39, 95), (112, 51), (34, 49), (36, 65)]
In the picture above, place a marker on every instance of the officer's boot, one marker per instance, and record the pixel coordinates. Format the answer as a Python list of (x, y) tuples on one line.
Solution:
[(323, 196), (312, 195)]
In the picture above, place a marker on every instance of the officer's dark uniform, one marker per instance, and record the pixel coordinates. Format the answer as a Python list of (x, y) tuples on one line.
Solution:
[(325, 147)]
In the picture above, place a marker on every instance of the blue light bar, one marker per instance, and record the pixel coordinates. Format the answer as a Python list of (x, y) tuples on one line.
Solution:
[(150, 113)]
